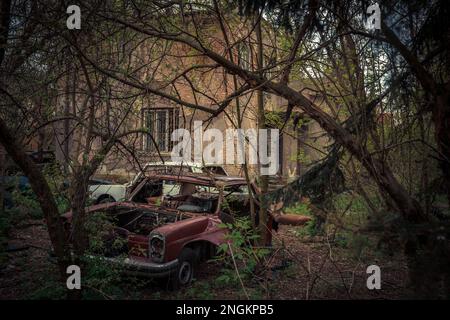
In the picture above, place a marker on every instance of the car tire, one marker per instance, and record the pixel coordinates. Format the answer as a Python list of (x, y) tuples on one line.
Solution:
[(105, 199), (184, 273)]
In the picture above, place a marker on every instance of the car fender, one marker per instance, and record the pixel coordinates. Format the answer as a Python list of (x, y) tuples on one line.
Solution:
[(181, 234), (116, 191)]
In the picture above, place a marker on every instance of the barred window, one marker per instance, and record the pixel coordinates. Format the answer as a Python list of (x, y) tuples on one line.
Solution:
[(160, 122)]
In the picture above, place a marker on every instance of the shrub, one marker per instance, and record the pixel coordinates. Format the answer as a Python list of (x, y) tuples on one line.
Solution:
[(101, 278), (241, 240)]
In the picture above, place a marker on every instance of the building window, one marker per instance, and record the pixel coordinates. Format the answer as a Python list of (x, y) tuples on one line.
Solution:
[(160, 122)]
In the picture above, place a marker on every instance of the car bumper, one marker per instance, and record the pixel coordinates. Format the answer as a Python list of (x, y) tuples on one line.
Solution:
[(144, 268)]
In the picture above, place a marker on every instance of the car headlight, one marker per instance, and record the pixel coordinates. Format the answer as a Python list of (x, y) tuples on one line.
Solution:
[(156, 247)]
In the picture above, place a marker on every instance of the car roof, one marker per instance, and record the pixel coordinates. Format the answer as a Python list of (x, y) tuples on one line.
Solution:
[(174, 164), (200, 179), (182, 163)]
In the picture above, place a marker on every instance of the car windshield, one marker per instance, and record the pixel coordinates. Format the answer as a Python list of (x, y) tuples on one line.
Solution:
[(236, 201), (155, 169), (190, 196), (216, 170)]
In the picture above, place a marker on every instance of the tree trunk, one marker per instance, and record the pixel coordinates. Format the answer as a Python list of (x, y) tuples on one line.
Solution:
[(44, 197), (429, 256), (264, 181), (78, 202), (441, 120), (2, 174)]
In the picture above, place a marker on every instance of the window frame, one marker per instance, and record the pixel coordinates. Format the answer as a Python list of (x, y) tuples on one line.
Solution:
[(171, 122)]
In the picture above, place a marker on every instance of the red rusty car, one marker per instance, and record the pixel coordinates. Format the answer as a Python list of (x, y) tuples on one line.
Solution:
[(172, 222)]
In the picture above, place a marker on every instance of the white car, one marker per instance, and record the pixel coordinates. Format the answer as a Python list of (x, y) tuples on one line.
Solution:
[(169, 167), (105, 191), (101, 191)]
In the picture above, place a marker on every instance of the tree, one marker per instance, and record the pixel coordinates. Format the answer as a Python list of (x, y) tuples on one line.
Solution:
[(329, 50), (352, 132)]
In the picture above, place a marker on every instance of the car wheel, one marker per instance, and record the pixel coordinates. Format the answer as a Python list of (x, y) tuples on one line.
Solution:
[(105, 199), (185, 270)]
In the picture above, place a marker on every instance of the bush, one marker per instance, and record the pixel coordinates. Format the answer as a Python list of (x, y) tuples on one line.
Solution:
[(301, 208), (5, 226), (101, 278), (241, 239), (52, 290), (24, 202)]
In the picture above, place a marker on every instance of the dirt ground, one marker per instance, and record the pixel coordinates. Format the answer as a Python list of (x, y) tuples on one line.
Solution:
[(300, 268)]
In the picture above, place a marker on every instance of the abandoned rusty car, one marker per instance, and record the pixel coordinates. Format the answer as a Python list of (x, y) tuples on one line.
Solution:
[(170, 223)]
